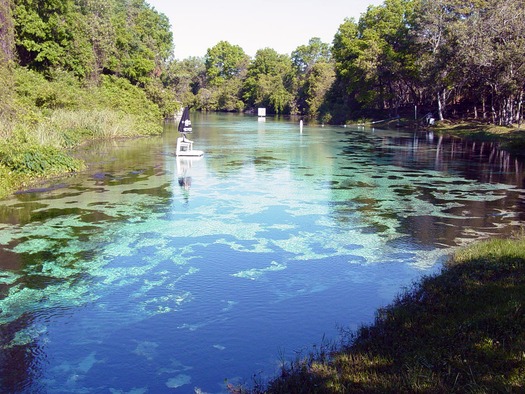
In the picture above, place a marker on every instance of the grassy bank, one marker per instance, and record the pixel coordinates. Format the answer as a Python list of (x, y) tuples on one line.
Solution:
[(511, 138), (461, 331), (48, 117)]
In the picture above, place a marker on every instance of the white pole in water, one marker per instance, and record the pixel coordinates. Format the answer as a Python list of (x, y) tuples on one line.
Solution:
[(415, 112), (301, 125)]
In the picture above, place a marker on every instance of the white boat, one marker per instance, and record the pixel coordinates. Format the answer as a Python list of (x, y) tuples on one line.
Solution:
[(185, 148), (184, 145)]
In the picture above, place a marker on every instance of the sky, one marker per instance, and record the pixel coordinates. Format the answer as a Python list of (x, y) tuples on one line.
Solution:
[(282, 25)]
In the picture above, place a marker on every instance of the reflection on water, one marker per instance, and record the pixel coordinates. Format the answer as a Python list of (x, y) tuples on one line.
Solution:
[(152, 273), (184, 165)]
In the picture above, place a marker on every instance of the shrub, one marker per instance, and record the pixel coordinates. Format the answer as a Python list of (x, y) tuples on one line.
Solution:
[(37, 160)]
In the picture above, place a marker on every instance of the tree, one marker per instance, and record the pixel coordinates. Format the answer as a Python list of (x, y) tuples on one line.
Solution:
[(436, 32), (185, 78), (226, 66), (91, 37), (491, 45), (97, 29), (471, 54), (314, 71), (43, 32), (144, 42), (375, 58), (6, 62), (225, 61), (305, 57), (269, 80), (316, 86)]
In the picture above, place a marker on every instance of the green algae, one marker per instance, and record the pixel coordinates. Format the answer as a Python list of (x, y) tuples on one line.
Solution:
[(254, 273)]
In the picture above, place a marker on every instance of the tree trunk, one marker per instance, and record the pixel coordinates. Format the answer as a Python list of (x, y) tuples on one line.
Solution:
[(518, 109), (440, 106), (7, 37)]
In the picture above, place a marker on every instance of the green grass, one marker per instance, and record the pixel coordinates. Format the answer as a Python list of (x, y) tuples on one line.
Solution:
[(462, 331), (511, 138)]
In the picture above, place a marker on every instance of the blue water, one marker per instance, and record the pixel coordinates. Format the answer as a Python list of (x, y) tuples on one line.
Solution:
[(152, 274)]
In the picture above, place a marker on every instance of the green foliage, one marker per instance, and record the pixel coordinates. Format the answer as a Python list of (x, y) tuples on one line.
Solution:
[(8, 182), (306, 56), (42, 32), (225, 66), (42, 100), (6, 99), (67, 129), (375, 58), (225, 61), (431, 54), (315, 75), (90, 37), (53, 115), (36, 160), (185, 78), (317, 83), (83, 62), (62, 90), (120, 95), (269, 81)]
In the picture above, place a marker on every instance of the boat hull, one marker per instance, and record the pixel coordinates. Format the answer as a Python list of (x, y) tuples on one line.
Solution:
[(190, 153)]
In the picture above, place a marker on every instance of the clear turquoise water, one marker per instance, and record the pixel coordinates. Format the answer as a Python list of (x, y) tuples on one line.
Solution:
[(152, 274)]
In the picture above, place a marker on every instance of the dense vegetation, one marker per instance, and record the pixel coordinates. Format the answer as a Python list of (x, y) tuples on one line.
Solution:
[(454, 58), (73, 71), (462, 331)]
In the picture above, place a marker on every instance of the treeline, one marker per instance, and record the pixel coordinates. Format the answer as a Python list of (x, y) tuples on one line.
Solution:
[(451, 57)]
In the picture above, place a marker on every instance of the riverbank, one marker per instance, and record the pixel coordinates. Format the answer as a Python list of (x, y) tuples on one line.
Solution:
[(462, 330), (47, 119), (511, 138)]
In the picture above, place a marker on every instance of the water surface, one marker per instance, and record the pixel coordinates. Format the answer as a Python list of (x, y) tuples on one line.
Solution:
[(151, 274)]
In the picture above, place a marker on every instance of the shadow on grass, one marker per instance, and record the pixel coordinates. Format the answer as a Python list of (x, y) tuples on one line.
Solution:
[(460, 331)]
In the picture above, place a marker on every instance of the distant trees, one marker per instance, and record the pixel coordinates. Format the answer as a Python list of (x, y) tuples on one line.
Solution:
[(231, 81), (491, 54), (269, 81), (226, 67), (375, 61), (315, 74)]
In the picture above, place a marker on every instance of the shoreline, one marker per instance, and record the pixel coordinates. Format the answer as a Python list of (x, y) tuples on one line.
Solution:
[(460, 330)]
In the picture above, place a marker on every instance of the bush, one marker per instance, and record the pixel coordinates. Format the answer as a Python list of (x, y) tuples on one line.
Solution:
[(49, 116), (37, 160)]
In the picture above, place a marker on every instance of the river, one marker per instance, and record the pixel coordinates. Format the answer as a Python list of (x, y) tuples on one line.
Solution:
[(148, 273)]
